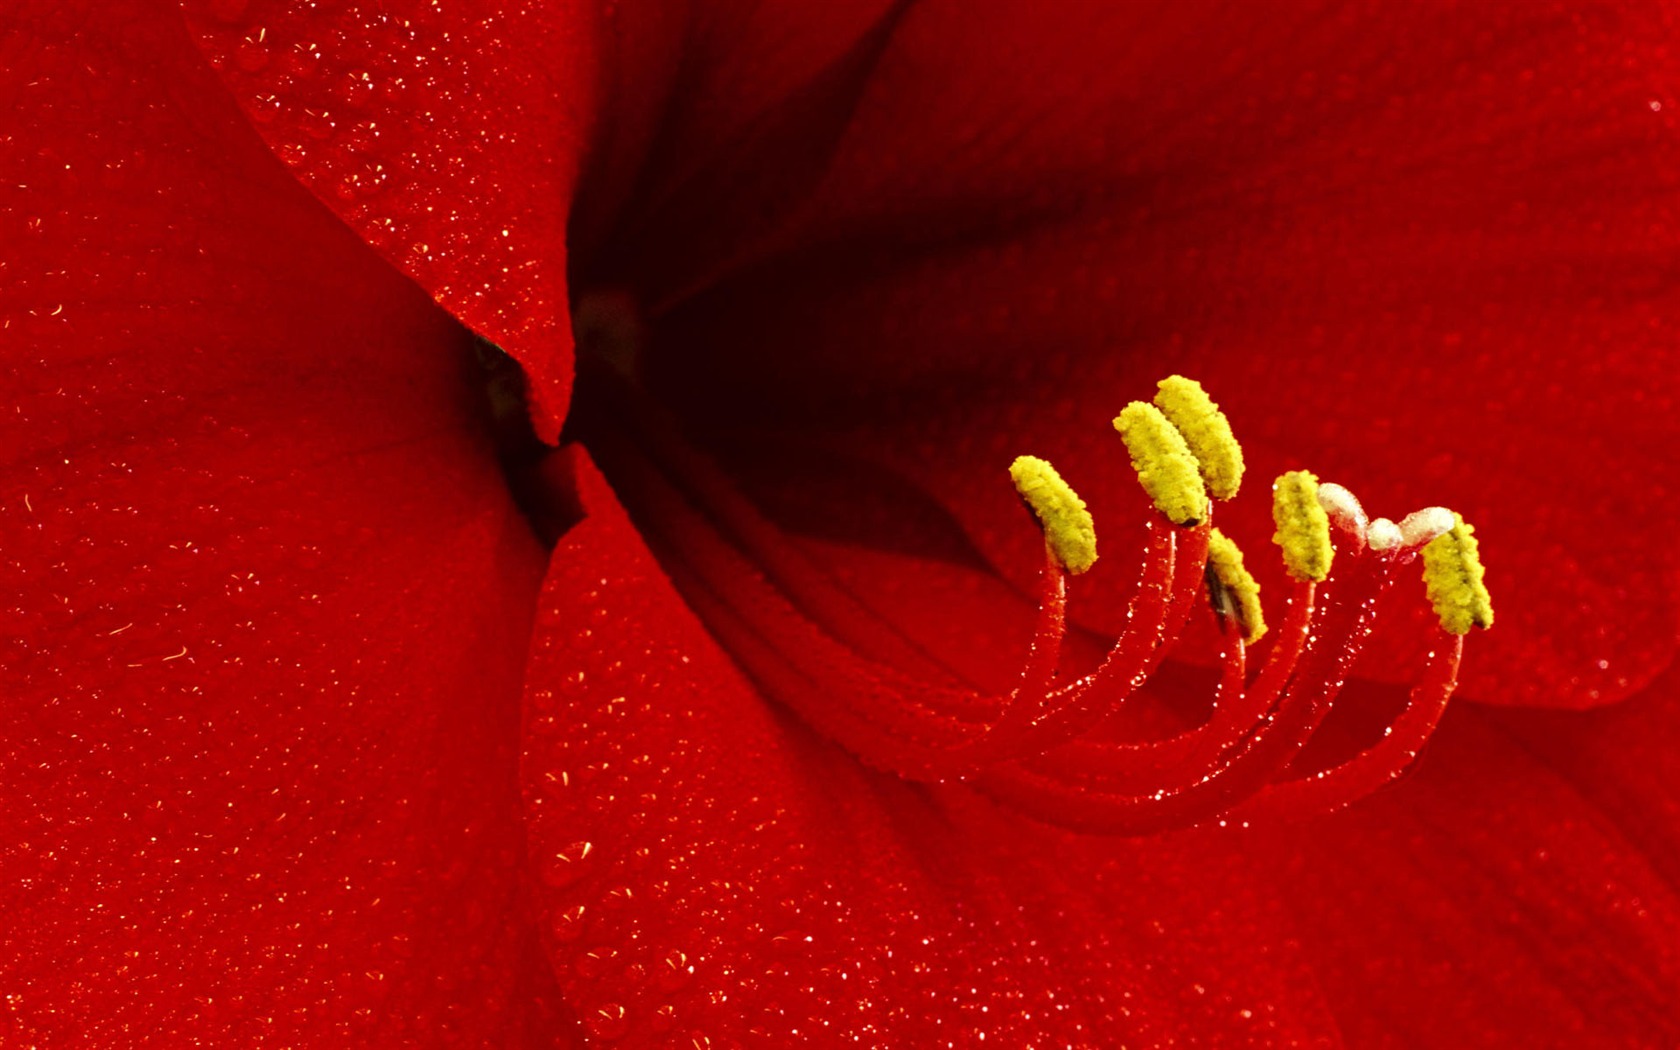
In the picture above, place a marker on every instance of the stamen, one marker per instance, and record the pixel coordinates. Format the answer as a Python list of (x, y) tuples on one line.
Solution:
[(1068, 529), (1303, 528), (1164, 464), (1053, 744), (1153, 620), (1452, 572), (1235, 594), (1206, 431), (1331, 789), (1067, 793)]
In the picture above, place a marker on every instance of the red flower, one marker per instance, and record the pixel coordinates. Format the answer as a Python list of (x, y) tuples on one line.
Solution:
[(295, 753)]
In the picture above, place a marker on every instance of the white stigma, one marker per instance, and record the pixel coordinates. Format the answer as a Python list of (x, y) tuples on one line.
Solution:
[(1422, 526), (1383, 535), (1342, 507)]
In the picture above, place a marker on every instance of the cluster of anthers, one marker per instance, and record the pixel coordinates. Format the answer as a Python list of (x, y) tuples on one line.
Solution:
[(1233, 767), (1047, 746)]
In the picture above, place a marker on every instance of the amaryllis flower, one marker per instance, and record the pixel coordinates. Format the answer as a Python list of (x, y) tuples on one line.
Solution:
[(386, 666)]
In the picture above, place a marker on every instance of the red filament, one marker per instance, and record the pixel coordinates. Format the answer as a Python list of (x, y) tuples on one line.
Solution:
[(1047, 746)]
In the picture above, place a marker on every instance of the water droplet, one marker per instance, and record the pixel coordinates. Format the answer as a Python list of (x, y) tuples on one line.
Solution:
[(371, 180), (568, 864), (244, 590), (607, 1021), (250, 55), (355, 86), (318, 124), (264, 108), (594, 962), (303, 60), (568, 924), (663, 1018), (675, 970), (790, 943)]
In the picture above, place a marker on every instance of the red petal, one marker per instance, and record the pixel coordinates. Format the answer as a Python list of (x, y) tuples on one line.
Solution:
[(715, 871), (1519, 890), (450, 140), (268, 599), (1422, 249), (712, 871)]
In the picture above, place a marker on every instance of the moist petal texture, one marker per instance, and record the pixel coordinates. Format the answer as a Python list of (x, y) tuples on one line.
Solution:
[(1520, 888), (713, 871), (1425, 251), (475, 149), (267, 600), (449, 136)]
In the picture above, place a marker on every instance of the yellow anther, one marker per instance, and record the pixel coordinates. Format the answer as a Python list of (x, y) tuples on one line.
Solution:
[(1452, 573), (1163, 463), (1235, 594), (1068, 527), (1207, 432), (1303, 528)]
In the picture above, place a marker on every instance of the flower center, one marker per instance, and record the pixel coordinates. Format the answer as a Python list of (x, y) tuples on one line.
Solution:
[(1049, 745)]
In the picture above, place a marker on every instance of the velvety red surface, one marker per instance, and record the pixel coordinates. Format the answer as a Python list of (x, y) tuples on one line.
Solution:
[(268, 772), (258, 760)]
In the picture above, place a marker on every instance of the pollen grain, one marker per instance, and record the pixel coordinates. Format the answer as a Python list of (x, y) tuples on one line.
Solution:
[(1068, 527), (1303, 527), (1452, 573), (1206, 431), (1237, 595), (1164, 463)]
